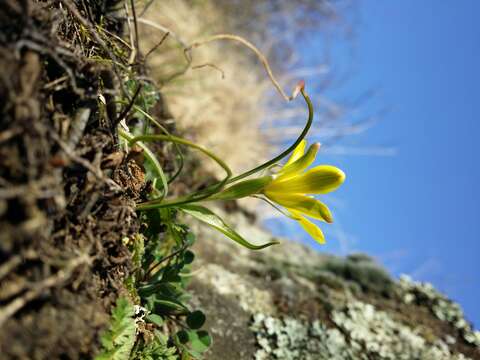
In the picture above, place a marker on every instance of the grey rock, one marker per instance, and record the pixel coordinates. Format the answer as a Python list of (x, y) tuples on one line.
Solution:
[(290, 302)]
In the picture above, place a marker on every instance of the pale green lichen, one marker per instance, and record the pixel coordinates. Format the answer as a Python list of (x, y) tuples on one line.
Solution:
[(374, 334), (362, 333), (291, 339), (443, 308)]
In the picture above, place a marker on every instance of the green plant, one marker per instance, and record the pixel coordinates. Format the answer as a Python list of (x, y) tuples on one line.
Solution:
[(141, 95), (363, 270), (162, 254), (162, 279), (119, 339), (289, 188), (162, 257), (156, 349)]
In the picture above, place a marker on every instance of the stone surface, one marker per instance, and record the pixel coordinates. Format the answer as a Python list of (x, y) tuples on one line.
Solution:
[(290, 302)]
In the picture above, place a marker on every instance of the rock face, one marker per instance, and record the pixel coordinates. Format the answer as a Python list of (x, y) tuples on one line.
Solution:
[(289, 302)]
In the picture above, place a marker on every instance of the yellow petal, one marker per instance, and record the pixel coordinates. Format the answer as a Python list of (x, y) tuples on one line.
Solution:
[(303, 204), (299, 165), (297, 153), (313, 230), (319, 180)]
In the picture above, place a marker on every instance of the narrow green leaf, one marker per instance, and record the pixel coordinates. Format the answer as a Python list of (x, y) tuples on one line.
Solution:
[(169, 305), (207, 216)]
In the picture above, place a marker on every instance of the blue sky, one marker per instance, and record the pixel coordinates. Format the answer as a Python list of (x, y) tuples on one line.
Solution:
[(417, 211)]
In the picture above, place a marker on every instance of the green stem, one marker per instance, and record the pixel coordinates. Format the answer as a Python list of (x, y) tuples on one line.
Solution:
[(161, 127), (273, 161), (213, 189), (157, 203), (287, 151)]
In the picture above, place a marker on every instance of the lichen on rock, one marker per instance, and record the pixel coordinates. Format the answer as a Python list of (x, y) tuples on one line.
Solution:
[(444, 309), (288, 338), (290, 302), (361, 332)]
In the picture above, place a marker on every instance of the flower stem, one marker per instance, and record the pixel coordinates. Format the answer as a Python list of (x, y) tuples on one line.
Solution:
[(158, 203), (287, 151)]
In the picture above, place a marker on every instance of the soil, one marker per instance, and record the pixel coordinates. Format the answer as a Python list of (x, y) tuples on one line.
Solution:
[(67, 190)]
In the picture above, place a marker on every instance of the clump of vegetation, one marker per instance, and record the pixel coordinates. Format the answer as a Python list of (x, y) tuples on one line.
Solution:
[(363, 270), (157, 287), (67, 192), (162, 291), (225, 89), (89, 201), (119, 340), (222, 89)]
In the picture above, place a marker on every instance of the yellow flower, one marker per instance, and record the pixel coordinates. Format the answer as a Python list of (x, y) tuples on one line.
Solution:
[(292, 185)]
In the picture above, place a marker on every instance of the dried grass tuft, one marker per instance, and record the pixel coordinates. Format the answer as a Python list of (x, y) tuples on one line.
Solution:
[(219, 101)]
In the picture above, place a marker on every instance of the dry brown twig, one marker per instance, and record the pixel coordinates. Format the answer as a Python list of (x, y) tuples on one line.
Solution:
[(155, 47), (133, 43), (78, 126), (252, 47), (163, 29), (173, 35), (85, 163), (222, 73), (9, 133), (45, 50), (16, 260), (41, 188), (9, 265), (188, 56), (74, 11), (61, 276), (135, 25)]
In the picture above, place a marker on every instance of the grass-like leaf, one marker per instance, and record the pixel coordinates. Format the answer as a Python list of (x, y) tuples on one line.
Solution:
[(207, 216)]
